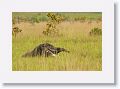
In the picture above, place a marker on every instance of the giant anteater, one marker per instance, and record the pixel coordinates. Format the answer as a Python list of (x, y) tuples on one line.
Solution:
[(44, 50)]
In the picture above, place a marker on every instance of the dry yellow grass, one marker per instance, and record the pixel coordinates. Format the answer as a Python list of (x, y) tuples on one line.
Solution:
[(71, 28)]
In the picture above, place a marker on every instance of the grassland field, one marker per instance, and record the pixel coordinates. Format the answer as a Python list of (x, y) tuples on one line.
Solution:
[(85, 50)]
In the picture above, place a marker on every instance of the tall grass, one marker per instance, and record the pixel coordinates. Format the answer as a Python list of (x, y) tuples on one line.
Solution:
[(85, 50)]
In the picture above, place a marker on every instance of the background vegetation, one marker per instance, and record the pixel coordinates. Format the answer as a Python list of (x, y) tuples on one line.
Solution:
[(85, 49)]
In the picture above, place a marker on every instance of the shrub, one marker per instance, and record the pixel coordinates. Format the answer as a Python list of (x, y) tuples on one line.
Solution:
[(83, 19), (35, 19), (96, 31), (76, 19), (51, 26), (15, 31)]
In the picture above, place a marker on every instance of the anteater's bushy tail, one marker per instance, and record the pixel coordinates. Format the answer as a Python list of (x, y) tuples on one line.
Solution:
[(28, 54), (32, 53)]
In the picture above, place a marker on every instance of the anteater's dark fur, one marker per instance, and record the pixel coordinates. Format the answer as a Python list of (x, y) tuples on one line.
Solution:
[(44, 50)]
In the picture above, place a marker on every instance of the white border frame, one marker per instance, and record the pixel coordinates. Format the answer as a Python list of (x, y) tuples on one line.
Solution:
[(104, 76)]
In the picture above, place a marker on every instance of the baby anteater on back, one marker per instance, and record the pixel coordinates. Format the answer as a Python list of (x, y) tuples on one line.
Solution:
[(44, 50)]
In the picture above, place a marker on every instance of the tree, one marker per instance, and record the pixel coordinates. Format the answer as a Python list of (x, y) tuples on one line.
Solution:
[(51, 26)]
